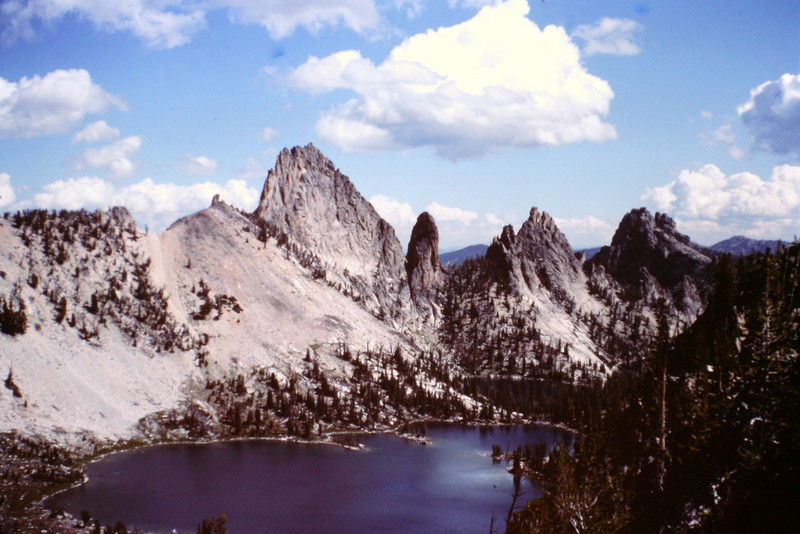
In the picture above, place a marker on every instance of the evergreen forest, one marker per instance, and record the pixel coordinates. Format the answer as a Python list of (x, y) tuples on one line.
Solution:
[(700, 432)]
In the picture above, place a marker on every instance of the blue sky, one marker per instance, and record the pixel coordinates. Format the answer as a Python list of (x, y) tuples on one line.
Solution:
[(473, 110)]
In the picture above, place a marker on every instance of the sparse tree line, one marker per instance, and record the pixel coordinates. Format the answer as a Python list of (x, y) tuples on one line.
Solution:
[(13, 319), (374, 389), (28, 468), (490, 334), (89, 268)]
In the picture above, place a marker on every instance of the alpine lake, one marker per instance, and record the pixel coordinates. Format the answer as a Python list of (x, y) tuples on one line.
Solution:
[(393, 486)]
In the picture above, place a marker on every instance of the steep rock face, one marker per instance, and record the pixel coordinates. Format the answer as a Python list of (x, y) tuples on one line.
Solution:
[(96, 322), (284, 308), (501, 258), (650, 259), (308, 202), (546, 257), (537, 258), (422, 262)]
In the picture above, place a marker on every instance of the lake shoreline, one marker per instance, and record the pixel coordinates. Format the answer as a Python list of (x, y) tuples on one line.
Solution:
[(328, 439), (83, 462)]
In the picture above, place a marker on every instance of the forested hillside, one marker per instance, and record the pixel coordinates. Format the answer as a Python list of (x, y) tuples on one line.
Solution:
[(701, 433)]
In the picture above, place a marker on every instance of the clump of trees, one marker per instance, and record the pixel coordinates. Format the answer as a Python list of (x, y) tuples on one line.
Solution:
[(13, 319), (217, 303), (28, 467), (68, 247), (213, 525), (11, 385)]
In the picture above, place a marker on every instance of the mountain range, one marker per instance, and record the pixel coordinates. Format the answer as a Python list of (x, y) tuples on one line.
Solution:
[(113, 333), (737, 245)]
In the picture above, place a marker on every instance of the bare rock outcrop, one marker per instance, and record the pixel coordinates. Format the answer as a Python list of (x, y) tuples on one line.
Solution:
[(546, 257), (535, 258), (650, 259), (422, 263), (317, 212), (500, 256)]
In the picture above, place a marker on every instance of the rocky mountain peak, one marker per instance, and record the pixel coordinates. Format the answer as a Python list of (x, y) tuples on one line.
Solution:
[(500, 255), (422, 260), (541, 219), (740, 245), (647, 249), (308, 203), (546, 256), (642, 230)]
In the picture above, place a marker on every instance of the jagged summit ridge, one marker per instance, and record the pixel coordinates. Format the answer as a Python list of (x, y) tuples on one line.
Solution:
[(310, 202), (649, 260), (315, 266), (545, 254), (307, 197), (652, 242), (537, 257)]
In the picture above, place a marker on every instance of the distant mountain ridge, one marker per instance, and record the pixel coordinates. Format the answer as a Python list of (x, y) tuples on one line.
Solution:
[(454, 257), (740, 245), (736, 245)]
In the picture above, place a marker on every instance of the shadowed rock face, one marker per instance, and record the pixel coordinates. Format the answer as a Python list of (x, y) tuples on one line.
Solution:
[(644, 241), (650, 259), (500, 256), (307, 199), (422, 260)]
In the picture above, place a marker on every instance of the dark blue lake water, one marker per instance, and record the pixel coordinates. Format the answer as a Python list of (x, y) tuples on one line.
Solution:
[(449, 486)]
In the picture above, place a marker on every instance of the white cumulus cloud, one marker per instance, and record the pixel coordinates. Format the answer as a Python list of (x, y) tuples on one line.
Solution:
[(281, 18), (717, 205), (268, 134), (51, 104), (202, 165), (585, 231), (159, 23), (7, 195), (773, 116), (398, 214), (449, 214), (76, 193), (725, 136), (471, 3), (610, 36), (412, 8), (457, 226), (116, 158), (96, 132), (156, 205), (171, 23), (492, 82)]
